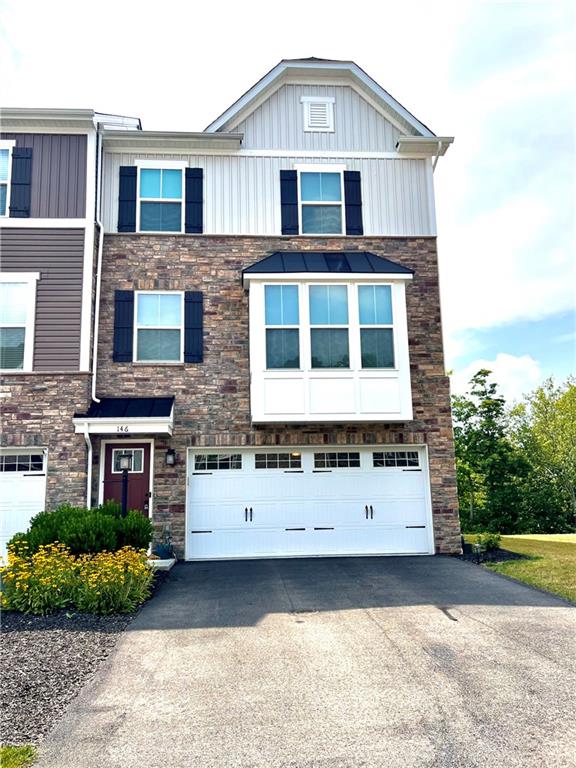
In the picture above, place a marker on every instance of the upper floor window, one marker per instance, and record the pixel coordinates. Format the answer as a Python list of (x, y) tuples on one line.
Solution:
[(17, 310), (282, 322), (376, 329), (346, 326), (159, 334), (160, 202), (5, 173), (329, 326), (318, 113), (321, 202)]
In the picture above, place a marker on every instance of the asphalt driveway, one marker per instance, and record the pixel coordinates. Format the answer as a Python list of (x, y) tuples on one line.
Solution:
[(336, 663)]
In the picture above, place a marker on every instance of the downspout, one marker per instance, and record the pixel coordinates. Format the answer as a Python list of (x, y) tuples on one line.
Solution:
[(98, 265), (440, 145), (89, 469)]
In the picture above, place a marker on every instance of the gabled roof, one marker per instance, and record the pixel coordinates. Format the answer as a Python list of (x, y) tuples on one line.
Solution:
[(357, 262), (320, 69)]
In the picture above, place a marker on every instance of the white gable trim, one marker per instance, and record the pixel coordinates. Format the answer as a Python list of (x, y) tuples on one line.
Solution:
[(270, 83)]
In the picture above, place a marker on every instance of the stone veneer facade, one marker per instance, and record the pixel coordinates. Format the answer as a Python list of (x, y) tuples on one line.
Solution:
[(212, 406), (36, 410)]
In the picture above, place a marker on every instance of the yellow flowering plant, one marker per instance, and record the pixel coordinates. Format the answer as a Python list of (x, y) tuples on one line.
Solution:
[(52, 578)]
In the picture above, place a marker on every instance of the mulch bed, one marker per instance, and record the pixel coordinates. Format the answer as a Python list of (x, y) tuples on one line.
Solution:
[(495, 556), (45, 662)]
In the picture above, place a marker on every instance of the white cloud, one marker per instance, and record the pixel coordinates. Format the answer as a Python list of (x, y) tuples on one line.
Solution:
[(515, 376)]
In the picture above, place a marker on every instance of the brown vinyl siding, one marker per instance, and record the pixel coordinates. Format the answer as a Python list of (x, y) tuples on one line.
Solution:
[(58, 255), (58, 173)]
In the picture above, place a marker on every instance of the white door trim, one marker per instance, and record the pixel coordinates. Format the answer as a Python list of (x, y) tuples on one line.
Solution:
[(318, 448)]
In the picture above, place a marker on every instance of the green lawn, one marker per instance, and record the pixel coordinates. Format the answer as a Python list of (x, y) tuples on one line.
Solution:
[(552, 563), (17, 757)]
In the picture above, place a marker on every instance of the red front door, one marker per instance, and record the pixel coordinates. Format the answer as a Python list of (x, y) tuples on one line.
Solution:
[(138, 477)]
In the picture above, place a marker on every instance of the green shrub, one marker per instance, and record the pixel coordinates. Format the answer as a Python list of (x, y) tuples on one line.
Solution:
[(52, 578), (489, 541), (86, 531)]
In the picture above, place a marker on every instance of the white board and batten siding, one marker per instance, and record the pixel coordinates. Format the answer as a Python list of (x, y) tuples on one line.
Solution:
[(362, 509), (242, 192), (278, 123)]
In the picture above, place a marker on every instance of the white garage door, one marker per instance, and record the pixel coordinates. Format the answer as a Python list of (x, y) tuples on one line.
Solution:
[(282, 503), (22, 490)]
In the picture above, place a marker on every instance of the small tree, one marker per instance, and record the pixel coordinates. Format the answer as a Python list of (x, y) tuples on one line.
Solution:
[(490, 469)]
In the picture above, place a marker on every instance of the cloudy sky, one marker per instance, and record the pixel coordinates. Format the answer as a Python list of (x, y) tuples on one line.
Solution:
[(499, 76)]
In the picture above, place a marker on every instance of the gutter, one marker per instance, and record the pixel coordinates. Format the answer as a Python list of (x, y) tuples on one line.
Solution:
[(89, 468), (440, 147), (100, 152)]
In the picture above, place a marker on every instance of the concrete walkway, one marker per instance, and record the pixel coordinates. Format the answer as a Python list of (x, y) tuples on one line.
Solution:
[(336, 663)]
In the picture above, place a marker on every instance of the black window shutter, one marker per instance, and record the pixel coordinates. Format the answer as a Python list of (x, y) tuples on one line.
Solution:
[(193, 327), (194, 191), (127, 199), (123, 326), (353, 203), (21, 182), (289, 202)]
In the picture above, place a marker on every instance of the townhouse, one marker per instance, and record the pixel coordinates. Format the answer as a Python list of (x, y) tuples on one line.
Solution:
[(257, 325)]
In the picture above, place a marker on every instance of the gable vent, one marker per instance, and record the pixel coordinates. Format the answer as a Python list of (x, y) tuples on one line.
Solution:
[(318, 113)]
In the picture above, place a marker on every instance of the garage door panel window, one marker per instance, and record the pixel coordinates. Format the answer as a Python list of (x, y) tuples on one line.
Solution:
[(336, 460), (17, 310), (376, 326), (396, 459), (282, 326), (278, 461), (158, 326), (328, 305), (22, 462), (211, 461)]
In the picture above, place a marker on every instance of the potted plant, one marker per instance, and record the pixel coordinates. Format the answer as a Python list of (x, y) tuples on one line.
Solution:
[(162, 557)]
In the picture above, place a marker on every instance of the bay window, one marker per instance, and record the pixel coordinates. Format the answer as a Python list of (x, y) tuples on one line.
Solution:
[(376, 330), (329, 326), (282, 320), (159, 335)]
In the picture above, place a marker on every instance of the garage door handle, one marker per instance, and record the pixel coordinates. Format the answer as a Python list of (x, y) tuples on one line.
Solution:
[(371, 513), (245, 514), (366, 508), (250, 514)]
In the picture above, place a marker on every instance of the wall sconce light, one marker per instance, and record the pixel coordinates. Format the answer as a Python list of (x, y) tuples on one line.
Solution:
[(170, 457)]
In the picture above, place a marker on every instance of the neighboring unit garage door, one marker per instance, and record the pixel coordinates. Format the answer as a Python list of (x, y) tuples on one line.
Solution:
[(22, 490), (291, 503)]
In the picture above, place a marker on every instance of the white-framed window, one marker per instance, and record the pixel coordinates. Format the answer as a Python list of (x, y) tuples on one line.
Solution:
[(160, 205), (17, 314), (321, 199), (6, 148), (159, 326), (346, 325), (376, 327), (329, 339), (282, 318), (318, 113), (137, 460)]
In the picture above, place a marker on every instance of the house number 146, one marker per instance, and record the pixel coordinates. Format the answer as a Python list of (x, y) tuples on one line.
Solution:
[(122, 429)]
